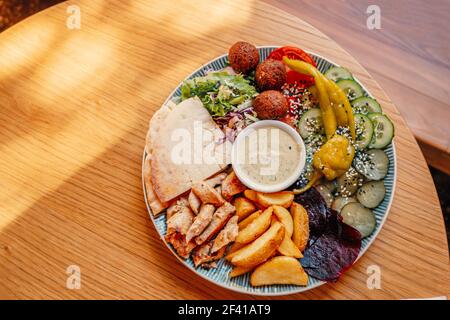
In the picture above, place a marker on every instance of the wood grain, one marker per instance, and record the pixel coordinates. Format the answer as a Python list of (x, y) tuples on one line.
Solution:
[(75, 110), (409, 57)]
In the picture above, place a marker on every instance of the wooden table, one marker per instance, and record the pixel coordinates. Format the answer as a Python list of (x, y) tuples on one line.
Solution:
[(408, 57), (75, 106)]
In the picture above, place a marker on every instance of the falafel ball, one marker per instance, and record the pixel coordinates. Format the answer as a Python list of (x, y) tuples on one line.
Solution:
[(270, 104), (243, 57), (270, 75)]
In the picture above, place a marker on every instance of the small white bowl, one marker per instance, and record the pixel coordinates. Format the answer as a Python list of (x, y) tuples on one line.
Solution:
[(253, 184)]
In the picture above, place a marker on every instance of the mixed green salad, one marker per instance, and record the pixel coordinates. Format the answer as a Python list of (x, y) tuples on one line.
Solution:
[(220, 92)]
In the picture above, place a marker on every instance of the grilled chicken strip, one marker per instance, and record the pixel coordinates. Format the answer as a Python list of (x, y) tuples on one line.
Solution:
[(177, 227), (219, 219), (201, 221), (232, 186), (176, 206), (180, 222), (178, 242), (217, 179), (202, 255), (207, 194), (194, 202), (227, 235)]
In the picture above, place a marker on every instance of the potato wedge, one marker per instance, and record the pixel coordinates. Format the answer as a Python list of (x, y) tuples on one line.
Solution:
[(244, 207), (300, 218), (250, 194), (261, 249), (249, 219), (238, 271), (233, 249), (282, 198), (289, 249), (279, 270), (256, 228), (285, 218)]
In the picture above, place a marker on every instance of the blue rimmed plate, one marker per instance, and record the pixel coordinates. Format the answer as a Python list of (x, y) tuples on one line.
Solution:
[(219, 275)]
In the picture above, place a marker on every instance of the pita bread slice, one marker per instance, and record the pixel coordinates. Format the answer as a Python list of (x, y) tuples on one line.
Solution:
[(155, 204), (174, 173)]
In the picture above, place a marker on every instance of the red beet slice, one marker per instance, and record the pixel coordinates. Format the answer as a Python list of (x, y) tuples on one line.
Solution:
[(316, 207), (333, 245)]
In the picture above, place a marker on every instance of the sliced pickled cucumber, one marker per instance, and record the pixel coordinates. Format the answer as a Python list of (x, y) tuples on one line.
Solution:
[(326, 194), (362, 219), (348, 183), (338, 73), (340, 202), (364, 131), (383, 130), (365, 105), (351, 88), (373, 163), (371, 194), (311, 123)]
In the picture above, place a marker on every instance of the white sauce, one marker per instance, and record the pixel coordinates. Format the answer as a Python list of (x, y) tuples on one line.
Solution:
[(269, 155)]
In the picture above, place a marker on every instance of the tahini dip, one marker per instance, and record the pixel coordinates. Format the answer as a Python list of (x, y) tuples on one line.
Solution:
[(268, 156)]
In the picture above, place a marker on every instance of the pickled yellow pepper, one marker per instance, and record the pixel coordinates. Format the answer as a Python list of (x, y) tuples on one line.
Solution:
[(328, 116), (347, 107), (335, 107), (336, 103)]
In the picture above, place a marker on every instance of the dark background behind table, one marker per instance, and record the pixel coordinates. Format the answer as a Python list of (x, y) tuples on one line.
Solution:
[(415, 28)]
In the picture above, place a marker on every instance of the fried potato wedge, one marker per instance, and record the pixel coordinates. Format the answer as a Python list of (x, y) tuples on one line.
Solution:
[(233, 249), (279, 270), (238, 271), (300, 218), (289, 249), (282, 198), (285, 218), (256, 228), (244, 207), (249, 219), (250, 194), (261, 249)]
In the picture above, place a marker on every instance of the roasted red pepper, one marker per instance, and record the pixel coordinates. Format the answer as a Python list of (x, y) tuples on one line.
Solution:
[(292, 53)]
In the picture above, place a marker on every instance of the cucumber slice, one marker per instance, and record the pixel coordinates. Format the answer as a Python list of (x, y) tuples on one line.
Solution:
[(383, 130), (362, 219), (338, 73), (325, 193), (364, 131), (331, 185), (349, 182), (373, 164), (311, 123), (351, 88), (371, 194), (365, 105), (341, 202)]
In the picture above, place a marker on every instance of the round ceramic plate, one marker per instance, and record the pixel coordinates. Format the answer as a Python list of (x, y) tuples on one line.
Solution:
[(219, 275)]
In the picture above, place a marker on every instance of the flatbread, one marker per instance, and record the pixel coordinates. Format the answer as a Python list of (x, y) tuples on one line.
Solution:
[(156, 205), (173, 173)]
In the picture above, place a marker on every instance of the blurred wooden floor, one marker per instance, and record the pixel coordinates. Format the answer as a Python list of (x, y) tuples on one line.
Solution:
[(409, 57)]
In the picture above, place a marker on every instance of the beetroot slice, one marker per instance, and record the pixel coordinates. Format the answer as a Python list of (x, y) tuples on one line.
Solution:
[(333, 245), (316, 207)]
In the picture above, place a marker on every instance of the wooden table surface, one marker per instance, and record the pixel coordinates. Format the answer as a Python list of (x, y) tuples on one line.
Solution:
[(409, 57), (75, 106)]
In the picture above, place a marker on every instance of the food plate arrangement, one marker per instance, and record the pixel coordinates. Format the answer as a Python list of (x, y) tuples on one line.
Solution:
[(299, 174)]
